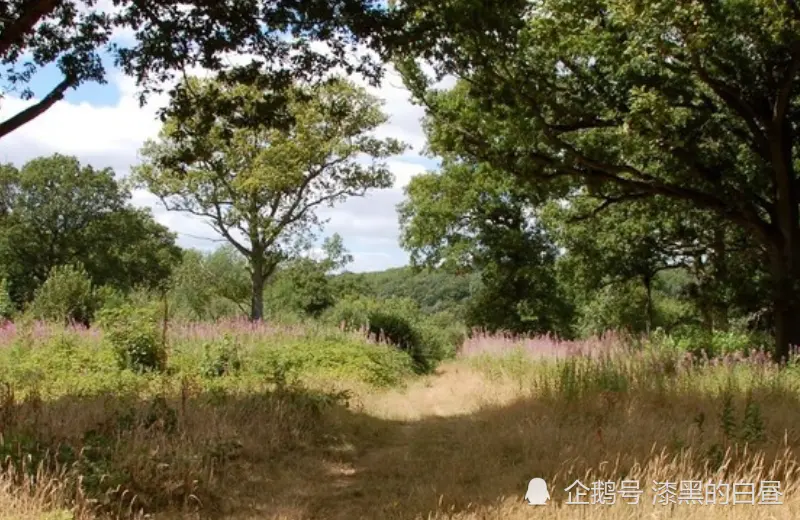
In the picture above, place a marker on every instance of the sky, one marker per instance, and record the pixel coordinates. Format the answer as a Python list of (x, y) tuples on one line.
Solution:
[(104, 126)]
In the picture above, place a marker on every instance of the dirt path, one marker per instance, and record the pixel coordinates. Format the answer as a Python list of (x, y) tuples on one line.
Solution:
[(456, 446), (384, 447)]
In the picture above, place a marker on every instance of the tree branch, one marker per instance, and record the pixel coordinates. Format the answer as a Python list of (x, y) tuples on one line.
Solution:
[(216, 222), (34, 111), (608, 202), (783, 98), (32, 11), (736, 103)]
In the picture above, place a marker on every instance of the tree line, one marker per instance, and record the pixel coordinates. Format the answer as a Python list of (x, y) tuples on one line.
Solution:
[(672, 124)]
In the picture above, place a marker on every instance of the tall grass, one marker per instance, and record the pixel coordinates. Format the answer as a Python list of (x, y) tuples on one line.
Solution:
[(462, 444)]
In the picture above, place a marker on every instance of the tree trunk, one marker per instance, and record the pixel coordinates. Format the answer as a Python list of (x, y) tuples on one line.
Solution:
[(785, 247), (786, 307), (648, 285), (257, 299), (720, 261)]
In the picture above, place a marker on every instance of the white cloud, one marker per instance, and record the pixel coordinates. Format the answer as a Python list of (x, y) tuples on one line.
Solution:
[(110, 136)]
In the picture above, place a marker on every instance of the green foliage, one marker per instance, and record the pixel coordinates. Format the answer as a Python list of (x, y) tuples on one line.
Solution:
[(74, 37), (134, 334), (578, 99), (702, 342), (7, 308), (753, 423), (449, 328), (398, 331), (210, 286), (221, 358), (471, 218), (58, 212), (301, 287), (397, 321), (434, 290), (66, 296), (244, 172), (336, 356), (751, 429), (109, 298), (350, 314), (304, 286)]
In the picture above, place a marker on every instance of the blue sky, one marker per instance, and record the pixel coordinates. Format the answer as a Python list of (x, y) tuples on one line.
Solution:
[(103, 125)]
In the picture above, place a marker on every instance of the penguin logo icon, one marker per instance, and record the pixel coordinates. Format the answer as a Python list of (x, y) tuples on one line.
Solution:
[(537, 494)]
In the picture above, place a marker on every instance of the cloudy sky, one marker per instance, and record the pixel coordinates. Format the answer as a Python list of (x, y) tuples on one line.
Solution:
[(103, 125)]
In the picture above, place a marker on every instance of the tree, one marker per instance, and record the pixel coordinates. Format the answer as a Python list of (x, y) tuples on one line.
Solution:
[(259, 185), (695, 101), (487, 226), (170, 37), (627, 242), (57, 212), (66, 296)]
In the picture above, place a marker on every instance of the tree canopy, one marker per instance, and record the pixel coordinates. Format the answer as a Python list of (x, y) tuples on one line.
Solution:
[(693, 101), (57, 212), (259, 185), (165, 39)]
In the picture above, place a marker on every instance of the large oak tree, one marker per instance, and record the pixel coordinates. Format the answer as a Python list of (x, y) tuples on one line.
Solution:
[(259, 183), (55, 211), (692, 100)]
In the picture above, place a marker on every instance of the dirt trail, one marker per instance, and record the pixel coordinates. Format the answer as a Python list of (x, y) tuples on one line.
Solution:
[(385, 444), (456, 446)]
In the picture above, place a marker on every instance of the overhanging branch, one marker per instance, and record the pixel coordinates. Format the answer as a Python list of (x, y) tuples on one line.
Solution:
[(608, 202), (31, 12), (785, 90), (34, 111)]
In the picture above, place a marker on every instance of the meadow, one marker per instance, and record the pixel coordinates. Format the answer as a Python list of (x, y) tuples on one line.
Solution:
[(307, 421), (540, 169)]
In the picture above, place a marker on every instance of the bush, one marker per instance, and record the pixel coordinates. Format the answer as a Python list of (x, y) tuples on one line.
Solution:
[(134, 334), (221, 358), (337, 356), (698, 341), (449, 330), (109, 298), (65, 296), (351, 313), (399, 322), (397, 330)]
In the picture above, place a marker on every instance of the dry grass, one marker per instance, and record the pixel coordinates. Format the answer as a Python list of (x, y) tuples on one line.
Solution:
[(38, 495), (460, 444)]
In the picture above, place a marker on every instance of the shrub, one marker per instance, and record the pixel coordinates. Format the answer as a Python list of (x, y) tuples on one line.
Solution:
[(134, 334), (698, 340), (337, 356), (351, 313), (65, 296), (451, 332), (221, 358), (109, 298), (399, 322), (397, 330)]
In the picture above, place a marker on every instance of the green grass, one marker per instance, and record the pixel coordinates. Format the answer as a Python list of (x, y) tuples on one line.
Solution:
[(61, 362)]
